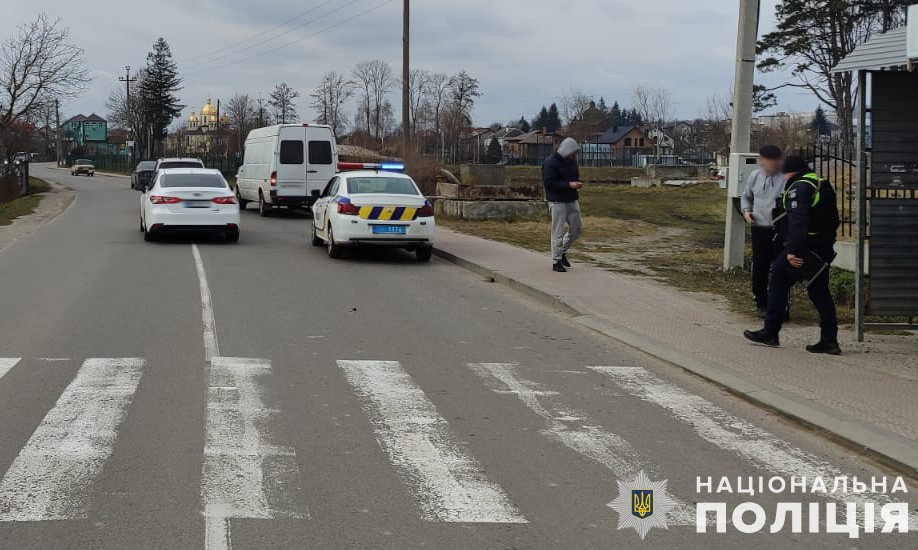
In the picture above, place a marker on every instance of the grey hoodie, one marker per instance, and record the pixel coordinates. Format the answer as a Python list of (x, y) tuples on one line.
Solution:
[(567, 147), (761, 195)]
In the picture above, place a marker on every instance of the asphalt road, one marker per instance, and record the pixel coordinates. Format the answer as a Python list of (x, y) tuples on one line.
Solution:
[(195, 394)]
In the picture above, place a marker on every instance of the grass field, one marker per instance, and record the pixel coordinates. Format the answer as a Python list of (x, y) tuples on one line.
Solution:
[(674, 235), (24, 206)]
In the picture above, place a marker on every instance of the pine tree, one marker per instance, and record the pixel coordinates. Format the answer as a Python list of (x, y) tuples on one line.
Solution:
[(553, 122), (541, 120), (820, 124), (494, 154), (158, 88), (523, 125), (615, 116)]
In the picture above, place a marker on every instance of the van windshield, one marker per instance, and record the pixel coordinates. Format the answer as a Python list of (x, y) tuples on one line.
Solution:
[(389, 186)]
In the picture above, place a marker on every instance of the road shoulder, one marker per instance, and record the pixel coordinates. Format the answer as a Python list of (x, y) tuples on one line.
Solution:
[(53, 203)]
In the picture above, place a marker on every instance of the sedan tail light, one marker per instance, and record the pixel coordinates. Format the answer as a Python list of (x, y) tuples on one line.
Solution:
[(225, 200), (426, 211), (158, 199), (347, 209)]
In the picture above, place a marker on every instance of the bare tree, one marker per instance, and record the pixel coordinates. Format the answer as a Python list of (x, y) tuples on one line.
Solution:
[(463, 91), (282, 100), (329, 99), (715, 123), (130, 114), (438, 94), (653, 104), (242, 112), (363, 81), (574, 104), (38, 65), (417, 85)]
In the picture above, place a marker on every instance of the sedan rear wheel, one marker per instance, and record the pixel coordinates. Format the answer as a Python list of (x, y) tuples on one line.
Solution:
[(316, 240), (334, 251)]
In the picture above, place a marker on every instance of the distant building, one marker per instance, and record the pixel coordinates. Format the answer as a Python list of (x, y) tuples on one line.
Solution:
[(82, 130), (625, 142), (207, 134)]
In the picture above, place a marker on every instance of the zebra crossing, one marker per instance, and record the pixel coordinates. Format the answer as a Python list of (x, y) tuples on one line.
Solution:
[(250, 472)]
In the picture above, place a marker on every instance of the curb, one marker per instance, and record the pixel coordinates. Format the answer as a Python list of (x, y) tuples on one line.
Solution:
[(891, 449)]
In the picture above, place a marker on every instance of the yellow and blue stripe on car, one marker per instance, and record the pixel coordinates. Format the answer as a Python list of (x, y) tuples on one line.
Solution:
[(389, 213)]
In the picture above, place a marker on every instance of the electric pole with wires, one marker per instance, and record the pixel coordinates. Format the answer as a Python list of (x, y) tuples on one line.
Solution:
[(127, 104), (406, 75)]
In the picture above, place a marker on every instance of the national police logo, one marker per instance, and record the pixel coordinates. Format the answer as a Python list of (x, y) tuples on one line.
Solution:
[(642, 504)]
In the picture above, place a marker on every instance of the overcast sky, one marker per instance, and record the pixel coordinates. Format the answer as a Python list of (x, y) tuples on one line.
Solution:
[(526, 53)]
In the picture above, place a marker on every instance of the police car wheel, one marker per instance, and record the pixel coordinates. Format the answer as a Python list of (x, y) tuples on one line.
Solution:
[(424, 253), (334, 251)]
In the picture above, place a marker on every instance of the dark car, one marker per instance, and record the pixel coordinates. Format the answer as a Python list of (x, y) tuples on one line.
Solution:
[(142, 175)]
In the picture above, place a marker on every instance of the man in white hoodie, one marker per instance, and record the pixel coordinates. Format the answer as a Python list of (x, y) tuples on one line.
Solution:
[(561, 178)]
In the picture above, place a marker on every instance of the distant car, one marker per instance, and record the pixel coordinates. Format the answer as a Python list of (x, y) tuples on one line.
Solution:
[(189, 199), (143, 174), (373, 207), (82, 166), (22, 157)]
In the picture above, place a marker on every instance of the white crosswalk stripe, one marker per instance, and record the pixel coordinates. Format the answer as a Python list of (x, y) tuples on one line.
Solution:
[(730, 433), (51, 477), (450, 485), (247, 473), (575, 431), (7, 363)]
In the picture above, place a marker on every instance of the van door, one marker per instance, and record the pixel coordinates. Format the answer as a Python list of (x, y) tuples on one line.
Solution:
[(321, 158), (291, 162)]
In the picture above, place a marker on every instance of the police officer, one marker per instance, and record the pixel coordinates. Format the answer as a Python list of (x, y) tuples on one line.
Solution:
[(763, 189), (808, 231)]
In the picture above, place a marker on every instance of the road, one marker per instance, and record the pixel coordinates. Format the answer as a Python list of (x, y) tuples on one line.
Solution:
[(195, 394)]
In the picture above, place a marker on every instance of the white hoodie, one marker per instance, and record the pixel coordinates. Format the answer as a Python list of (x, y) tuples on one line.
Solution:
[(568, 147)]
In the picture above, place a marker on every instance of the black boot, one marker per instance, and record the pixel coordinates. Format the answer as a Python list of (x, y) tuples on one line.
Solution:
[(564, 261), (828, 348), (762, 337), (559, 267)]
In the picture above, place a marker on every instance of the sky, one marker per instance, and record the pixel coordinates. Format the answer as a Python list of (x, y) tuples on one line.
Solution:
[(525, 53)]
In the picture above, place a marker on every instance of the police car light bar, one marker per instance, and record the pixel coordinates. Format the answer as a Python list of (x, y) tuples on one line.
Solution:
[(377, 166)]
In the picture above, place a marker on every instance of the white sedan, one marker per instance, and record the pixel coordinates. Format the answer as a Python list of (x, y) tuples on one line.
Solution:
[(189, 199), (373, 208)]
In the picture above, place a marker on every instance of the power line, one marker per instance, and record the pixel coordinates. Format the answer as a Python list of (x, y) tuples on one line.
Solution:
[(307, 37), (269, 39)]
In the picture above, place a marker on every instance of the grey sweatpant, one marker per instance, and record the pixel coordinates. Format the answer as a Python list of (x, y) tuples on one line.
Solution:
[(566, 227)]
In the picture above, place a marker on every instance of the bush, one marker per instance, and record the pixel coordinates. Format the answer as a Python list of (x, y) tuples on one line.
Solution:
[(842, 284), (424, 171)]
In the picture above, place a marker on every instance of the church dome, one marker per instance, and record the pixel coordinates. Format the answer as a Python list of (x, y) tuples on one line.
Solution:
[(193, 119), (208, 109)]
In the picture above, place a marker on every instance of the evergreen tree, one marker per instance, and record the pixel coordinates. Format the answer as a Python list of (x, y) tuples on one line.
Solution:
[(494, 154), (157, 91), (615, 116), (541, 119), (820, 124), (523, 125), (553, 122)]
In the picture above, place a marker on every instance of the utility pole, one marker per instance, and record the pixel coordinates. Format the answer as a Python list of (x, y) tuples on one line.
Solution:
[(127, 102), (57, 120), (740, 140), (406, 75)]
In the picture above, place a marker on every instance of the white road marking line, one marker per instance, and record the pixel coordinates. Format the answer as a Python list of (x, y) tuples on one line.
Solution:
[(247, 473), (450, 485), (211, 348), (574, 431), (7, 363), (730, 433), (51, 476)]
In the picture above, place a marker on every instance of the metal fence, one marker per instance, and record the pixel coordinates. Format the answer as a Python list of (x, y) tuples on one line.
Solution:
[(837, 163), (122, 164)]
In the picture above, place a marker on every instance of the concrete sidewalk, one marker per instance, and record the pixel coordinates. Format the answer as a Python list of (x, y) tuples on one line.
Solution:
[(867, 398)]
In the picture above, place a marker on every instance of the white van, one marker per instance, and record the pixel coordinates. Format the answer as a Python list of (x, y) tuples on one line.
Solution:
[(286, 165)]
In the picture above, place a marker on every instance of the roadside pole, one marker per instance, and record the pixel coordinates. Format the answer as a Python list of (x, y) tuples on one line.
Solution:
[(57, 121), (127, 100), (747, 35), (406, 74)]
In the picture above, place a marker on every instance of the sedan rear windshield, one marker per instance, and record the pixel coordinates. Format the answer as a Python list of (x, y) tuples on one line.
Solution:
[(192, 180), (390, 186), (146, 165), (83, 162), (185, 164)]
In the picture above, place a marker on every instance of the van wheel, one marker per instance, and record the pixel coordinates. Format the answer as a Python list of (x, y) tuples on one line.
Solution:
[(316, 240), (242, 202), (334, 251), (264, 209), (424, 253)]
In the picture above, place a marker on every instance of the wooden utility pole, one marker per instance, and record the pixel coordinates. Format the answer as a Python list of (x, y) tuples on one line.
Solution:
[(406, 74), (57, 121), (127, 102)]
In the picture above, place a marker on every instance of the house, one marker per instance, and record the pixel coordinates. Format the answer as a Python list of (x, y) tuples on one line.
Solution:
[(625, 142), (82, 130), (530, 148)]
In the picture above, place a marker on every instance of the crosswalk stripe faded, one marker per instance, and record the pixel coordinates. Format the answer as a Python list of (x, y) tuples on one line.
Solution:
[(450, 485), (6, 364), (50, 479)]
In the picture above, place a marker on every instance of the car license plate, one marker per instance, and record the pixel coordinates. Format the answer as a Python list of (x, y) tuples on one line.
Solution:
[(195, 204), (389, 229)]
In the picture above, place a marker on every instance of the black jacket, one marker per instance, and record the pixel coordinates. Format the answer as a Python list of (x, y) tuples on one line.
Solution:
[(812, 213), (557, 174)]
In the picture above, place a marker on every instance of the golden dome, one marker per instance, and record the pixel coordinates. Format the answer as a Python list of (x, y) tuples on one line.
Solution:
[(193, 119), (208, 109)]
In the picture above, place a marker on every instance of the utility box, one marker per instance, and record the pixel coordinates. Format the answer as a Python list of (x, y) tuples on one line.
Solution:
[(741, 167)]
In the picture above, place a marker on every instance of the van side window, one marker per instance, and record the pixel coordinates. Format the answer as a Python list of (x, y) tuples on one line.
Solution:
[(291, 152), (320, 152)]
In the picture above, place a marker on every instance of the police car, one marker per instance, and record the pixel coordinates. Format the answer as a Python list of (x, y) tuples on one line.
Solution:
[(373, 205)]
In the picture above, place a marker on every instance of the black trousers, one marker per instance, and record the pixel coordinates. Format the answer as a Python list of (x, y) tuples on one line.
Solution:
[(820, 295), (765, 250)]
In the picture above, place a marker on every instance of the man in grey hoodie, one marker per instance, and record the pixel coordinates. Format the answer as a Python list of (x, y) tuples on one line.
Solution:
[(763, 188), (561, 178)]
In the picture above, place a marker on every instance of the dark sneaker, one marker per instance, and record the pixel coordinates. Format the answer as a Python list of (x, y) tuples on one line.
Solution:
[(559, 267), (762, 337), (564, 261), (829, 348)]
